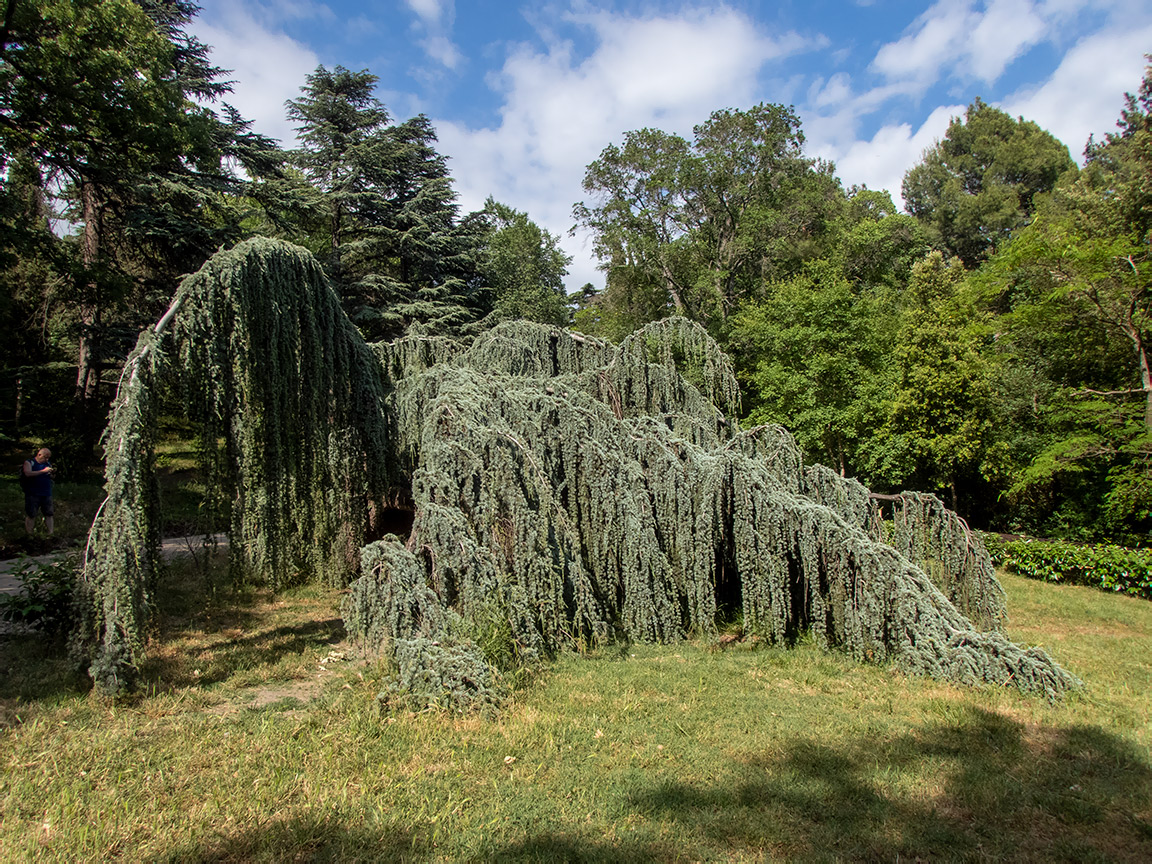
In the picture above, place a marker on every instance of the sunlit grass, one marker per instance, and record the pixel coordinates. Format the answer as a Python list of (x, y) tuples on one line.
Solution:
[(258, 738)]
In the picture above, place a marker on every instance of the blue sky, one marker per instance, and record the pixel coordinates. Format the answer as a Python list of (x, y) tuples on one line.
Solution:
[(524, 96)]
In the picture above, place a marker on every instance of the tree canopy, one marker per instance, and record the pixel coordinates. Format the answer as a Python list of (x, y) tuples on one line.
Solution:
[(103, 103), (693, 226), (1076, 285), (977, 185), (381, 204)]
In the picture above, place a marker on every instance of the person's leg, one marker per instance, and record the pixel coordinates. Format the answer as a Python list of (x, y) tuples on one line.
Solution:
[(29, 524), (30, 506), (49, 523), (46, 508)]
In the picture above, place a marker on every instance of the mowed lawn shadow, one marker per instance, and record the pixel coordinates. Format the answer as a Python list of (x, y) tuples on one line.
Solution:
[(204, 636), (321, 836), (1075, 793), (549, 847)]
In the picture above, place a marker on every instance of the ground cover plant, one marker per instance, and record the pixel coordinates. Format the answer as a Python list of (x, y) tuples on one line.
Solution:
[(257, 735), (590, 492), (1102, 565)]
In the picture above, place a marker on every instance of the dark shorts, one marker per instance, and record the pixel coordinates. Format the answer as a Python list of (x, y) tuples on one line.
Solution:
[(33, 503)]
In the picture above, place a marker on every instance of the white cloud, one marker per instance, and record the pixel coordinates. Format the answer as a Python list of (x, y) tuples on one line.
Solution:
[(834, 92), (436, 20), (881, 162), (268, 67), (1008, 28), (560, 110), (938, 38), (969, 42), (430, 10), (1082, 96), (1085, 93)]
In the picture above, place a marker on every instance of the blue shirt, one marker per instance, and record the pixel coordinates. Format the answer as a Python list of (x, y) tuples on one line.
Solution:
[(41, 484)]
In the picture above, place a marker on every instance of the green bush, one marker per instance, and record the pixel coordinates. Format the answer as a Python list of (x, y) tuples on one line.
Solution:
[(1113, 568), (44, 601)]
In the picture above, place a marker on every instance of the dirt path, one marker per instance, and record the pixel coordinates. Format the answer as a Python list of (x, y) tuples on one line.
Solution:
[(172, 547)]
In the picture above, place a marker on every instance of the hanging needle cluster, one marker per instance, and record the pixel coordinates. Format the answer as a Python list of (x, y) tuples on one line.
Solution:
[(925, 532), (586, 492), (597, 493), (288, 401)]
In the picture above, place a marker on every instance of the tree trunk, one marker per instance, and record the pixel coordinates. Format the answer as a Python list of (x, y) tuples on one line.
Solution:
[(1146, 382), (1136, 334), (88, 361)]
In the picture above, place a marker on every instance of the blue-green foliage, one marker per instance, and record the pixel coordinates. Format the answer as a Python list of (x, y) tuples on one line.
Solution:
[(1113, 568), (566, 492), (596, 492), (289, 404), (446, 675)]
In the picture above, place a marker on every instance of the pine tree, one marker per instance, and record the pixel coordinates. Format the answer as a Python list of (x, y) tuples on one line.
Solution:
[(389, 233), (567, 488)]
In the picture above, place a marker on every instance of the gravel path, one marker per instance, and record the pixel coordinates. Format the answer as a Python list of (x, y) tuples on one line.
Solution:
[(170, 548)]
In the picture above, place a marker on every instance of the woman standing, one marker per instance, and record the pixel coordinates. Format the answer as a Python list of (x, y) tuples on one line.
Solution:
[(38, 473)]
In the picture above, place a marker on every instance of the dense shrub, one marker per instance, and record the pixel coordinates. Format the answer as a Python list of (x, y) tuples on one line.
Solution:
[(44, 601), (1113, 568)]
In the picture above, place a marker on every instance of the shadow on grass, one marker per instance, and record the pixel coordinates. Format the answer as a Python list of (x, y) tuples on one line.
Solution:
[(319, 837), (994, 790), (219, 633), (262, 648), (555, 847), (35, 668), (201, 634)]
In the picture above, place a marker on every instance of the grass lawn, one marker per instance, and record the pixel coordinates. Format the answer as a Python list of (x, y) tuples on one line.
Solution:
[(258, 738)]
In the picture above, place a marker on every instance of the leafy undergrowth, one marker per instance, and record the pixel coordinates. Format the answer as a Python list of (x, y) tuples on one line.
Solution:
[(259, 738), (1112, 568)]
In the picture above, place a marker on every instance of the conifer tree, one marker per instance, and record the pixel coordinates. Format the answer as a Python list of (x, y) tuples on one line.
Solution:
[(572, 490), (107, 99), (978, 184), (390, 239)]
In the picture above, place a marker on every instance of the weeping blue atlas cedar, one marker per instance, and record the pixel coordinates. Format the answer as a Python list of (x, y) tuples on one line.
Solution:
[(572, 491)]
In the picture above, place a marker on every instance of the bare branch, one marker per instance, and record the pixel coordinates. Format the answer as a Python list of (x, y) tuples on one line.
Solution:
[(1142, 391)]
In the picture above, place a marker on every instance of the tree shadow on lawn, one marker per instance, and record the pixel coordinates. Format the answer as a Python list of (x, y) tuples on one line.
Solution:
[(552, 846), (35, 667), (205, 633), (309, 837), (199, 636), (219, 660), (996, 791)]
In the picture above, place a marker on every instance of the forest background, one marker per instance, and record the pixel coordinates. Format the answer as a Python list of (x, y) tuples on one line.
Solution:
[(989, 344)]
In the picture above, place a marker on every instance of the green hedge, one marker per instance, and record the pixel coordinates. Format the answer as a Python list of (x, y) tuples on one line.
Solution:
[(1113, 568)]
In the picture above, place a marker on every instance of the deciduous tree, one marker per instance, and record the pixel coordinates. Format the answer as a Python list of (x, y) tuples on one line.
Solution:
[(977, 185), (697, 226)]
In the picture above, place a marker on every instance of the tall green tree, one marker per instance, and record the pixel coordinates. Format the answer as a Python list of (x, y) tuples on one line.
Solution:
[(697, 226), (105, 98), (524, 265), (938, 429), (811, 358), (1077, 283), (813, 351), (382, 210), (344, 155), (977, 185)]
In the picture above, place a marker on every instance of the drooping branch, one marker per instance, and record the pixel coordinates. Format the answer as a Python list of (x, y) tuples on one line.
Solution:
[(266, 363), (587, 509)]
